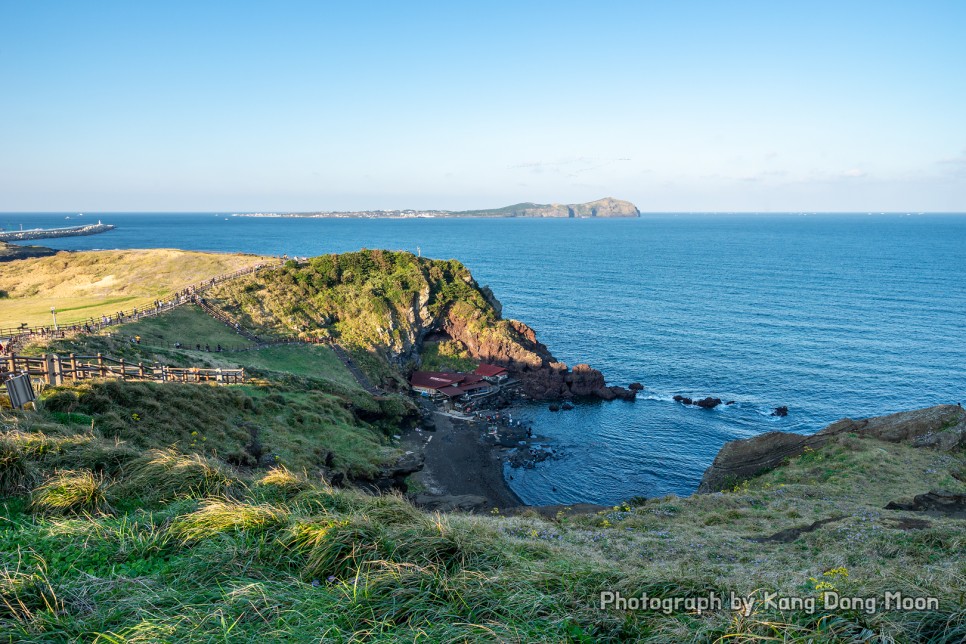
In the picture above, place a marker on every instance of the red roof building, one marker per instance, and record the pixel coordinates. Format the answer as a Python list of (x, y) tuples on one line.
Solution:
[(491, 372), (452, 385)]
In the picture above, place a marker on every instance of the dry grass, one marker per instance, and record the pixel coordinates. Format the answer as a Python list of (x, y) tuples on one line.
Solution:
[(94, 283)]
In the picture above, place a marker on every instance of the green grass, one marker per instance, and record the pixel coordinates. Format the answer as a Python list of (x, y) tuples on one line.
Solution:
[(146, 512), (197, 550), (72, 492), (296, 425), (446, 356), (302, 360), (188, 325)]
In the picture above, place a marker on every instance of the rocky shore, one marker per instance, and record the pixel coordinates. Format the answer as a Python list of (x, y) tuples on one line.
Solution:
[(10, 252)]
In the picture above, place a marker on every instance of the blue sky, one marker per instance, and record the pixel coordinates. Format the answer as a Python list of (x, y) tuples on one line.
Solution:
[(677, 106)]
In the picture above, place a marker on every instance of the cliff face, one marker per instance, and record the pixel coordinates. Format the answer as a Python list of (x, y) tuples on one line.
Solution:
[(390, 302)]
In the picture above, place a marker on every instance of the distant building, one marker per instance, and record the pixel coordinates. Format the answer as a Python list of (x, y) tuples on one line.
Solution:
[(492, 373)]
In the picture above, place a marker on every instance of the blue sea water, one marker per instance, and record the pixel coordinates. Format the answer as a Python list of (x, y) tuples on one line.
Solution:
[(832, 315)]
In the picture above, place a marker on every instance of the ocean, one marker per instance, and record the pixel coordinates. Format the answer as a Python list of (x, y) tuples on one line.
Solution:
[(831, 315)]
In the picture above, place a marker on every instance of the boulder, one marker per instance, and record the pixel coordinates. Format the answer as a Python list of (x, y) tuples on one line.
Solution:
[(585, 380), (937, 502), (635, 386), (708, 403), (780, 411), (683, 400), (623, 394), (605, 393)]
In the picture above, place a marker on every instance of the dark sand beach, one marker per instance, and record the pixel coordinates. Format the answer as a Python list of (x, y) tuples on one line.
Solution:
[(460, 463)]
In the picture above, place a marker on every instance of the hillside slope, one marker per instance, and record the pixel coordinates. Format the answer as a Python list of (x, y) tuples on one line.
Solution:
[(89, 284), (125, 542), (389, 303)]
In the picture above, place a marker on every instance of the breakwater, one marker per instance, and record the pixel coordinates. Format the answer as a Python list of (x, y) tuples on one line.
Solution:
[(49, 233)]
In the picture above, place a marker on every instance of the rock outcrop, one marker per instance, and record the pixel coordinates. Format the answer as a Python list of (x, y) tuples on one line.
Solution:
[(941, 427), (450, 503), (10, 252), (940, 502), (391, 303), (705, 403)]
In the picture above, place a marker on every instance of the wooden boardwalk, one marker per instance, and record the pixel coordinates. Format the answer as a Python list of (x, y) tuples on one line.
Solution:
[(54, 370)]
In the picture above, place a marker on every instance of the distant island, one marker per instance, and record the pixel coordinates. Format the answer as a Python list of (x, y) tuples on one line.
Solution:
[(607, 207)]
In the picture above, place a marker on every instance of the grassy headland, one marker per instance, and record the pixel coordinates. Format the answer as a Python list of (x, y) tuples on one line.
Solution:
[(139, 511), (91, 284)]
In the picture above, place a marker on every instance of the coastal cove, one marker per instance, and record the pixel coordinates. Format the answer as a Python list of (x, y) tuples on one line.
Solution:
[(833, 316)]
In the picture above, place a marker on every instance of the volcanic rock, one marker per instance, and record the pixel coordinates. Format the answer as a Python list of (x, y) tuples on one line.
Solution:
[(708, 403), (780, 411), (942, 427)]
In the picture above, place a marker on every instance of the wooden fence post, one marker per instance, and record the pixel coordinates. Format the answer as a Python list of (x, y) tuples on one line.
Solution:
[(123, 374), (100, 365), (141, 370), (73, 367), (57, 370)]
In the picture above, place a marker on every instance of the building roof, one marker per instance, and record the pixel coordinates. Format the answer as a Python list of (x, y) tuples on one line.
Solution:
[(474, 386), (490, 370), (434, 379), (452, 392)]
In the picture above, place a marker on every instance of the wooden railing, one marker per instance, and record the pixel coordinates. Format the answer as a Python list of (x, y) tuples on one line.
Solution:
[(55, 369)]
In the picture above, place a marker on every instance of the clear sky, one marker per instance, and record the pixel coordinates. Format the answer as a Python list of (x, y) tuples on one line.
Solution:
[(677, 106)]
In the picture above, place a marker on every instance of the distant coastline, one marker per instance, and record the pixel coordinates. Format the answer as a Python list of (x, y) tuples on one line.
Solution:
[(604, 208)]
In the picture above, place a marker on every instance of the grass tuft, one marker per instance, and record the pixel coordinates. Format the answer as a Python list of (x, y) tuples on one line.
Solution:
[(24, 594), (164, 474), (216, 516), (17, 472), (72, 492)]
